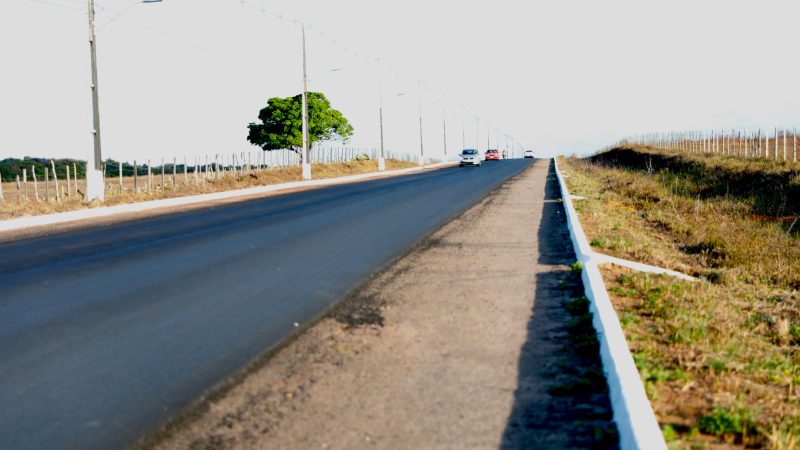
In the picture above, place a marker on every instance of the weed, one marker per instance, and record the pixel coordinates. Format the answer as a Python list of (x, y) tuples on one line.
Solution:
[(669, 433), (729, 422), (599, 242)]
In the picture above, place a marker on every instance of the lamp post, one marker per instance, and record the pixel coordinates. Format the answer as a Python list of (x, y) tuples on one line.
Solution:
[(382, 158), (463, 133), (444, 133), (94, 172), (477, 133), (305, 163), (421, 148)]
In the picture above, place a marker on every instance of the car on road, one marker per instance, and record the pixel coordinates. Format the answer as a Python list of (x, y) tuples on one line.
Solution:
[(492, 154), (528, 153), (469, 157)]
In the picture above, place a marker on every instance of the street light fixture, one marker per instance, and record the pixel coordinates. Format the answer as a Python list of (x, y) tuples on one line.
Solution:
[(94, 173)]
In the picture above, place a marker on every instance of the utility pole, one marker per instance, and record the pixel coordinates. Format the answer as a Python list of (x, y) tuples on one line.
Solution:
[(306, 163), (381, 160), (94, 175), (463, 132), (421, 149), (477, 133), (444, 132)]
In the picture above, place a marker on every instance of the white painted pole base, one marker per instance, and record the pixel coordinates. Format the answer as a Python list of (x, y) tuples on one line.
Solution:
[(381, 164), (94, 184), (306, 171)]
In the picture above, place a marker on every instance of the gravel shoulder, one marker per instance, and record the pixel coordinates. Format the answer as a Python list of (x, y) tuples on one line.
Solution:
[(466, 342)]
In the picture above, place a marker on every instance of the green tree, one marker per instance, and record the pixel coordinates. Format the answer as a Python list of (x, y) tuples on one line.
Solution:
[(281, 124)]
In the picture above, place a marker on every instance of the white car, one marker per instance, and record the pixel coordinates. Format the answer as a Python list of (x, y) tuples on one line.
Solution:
[(529, 153), (469, 157)]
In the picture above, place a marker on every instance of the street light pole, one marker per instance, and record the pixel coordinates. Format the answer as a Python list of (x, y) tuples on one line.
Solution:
[(305, 163), (444, 132), (477, 133), (94, 174), (421, 148), (94, 171), (463, 132), (382, 159)]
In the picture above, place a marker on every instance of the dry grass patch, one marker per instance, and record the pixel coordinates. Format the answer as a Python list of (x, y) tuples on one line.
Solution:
[(720, 358), (226, 182)]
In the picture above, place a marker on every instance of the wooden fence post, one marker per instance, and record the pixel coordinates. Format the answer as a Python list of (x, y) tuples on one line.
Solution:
[(784, 144), (47, 184), (35, 184), (75, 176), (18, 189), (174, 172), (55, 180), (121, 184), (149, 178), (25, 182), (69, 186), (135, 178), (185, 172), (163, 180)]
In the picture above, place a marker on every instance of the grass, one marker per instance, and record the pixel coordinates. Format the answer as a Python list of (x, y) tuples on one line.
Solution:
[(719, 359), (114, 195)]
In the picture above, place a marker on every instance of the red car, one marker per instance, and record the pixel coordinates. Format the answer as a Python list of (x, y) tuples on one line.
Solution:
[(492, 154)]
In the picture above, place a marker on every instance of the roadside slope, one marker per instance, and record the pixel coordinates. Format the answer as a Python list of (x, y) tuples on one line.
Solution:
[(463, 343)]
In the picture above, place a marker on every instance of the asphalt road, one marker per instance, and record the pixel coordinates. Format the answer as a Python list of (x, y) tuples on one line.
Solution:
[(106, 333)]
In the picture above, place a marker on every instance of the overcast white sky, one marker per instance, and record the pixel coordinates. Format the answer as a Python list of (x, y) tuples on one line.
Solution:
[(184, 77)]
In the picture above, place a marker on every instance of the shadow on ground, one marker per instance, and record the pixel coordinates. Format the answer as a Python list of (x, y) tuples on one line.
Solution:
[(562, 396)]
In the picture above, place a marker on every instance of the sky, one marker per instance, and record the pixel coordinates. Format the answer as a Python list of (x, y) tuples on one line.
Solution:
[(183, 78)]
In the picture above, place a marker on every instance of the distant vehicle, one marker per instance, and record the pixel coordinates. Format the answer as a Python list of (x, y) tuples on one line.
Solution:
[(469, 157), (492, 154), (529, 153)]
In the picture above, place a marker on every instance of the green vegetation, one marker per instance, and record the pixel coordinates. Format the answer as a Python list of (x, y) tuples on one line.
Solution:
[(281, 123), (719, 358), (11, 167)]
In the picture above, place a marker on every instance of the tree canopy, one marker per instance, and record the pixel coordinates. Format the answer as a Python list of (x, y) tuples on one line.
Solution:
[(281, 123)]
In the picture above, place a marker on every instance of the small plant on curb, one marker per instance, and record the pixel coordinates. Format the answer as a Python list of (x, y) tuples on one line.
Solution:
[(577, 267)]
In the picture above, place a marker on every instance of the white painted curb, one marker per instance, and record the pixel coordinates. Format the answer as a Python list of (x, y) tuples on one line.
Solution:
[(633, 414), (69, 216)]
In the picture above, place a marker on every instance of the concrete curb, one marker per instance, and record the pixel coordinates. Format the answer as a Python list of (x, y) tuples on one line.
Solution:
[(605, 259), (633, 414), (70, 216)]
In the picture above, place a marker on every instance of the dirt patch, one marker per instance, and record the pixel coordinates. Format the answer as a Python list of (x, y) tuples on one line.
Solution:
[(467, 342)]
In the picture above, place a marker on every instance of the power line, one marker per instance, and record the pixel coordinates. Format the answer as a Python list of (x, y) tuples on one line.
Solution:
[(60, 5)]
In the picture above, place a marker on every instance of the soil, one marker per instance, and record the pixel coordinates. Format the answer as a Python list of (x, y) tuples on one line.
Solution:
[(466, 342)]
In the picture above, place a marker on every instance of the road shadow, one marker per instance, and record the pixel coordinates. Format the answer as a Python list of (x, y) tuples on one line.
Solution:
[(562, 396)]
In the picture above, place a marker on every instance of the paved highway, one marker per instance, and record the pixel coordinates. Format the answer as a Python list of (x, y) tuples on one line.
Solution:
[(105, 333)]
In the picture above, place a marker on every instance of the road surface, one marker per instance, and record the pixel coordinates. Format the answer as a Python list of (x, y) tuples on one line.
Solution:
[(106, 333)]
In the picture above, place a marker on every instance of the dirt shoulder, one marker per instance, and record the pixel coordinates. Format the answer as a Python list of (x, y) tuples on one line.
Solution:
[(469, 341)]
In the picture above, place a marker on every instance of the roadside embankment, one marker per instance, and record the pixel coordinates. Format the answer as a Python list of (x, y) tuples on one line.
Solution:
[(477, 338), (29, 199), (719, 359)]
